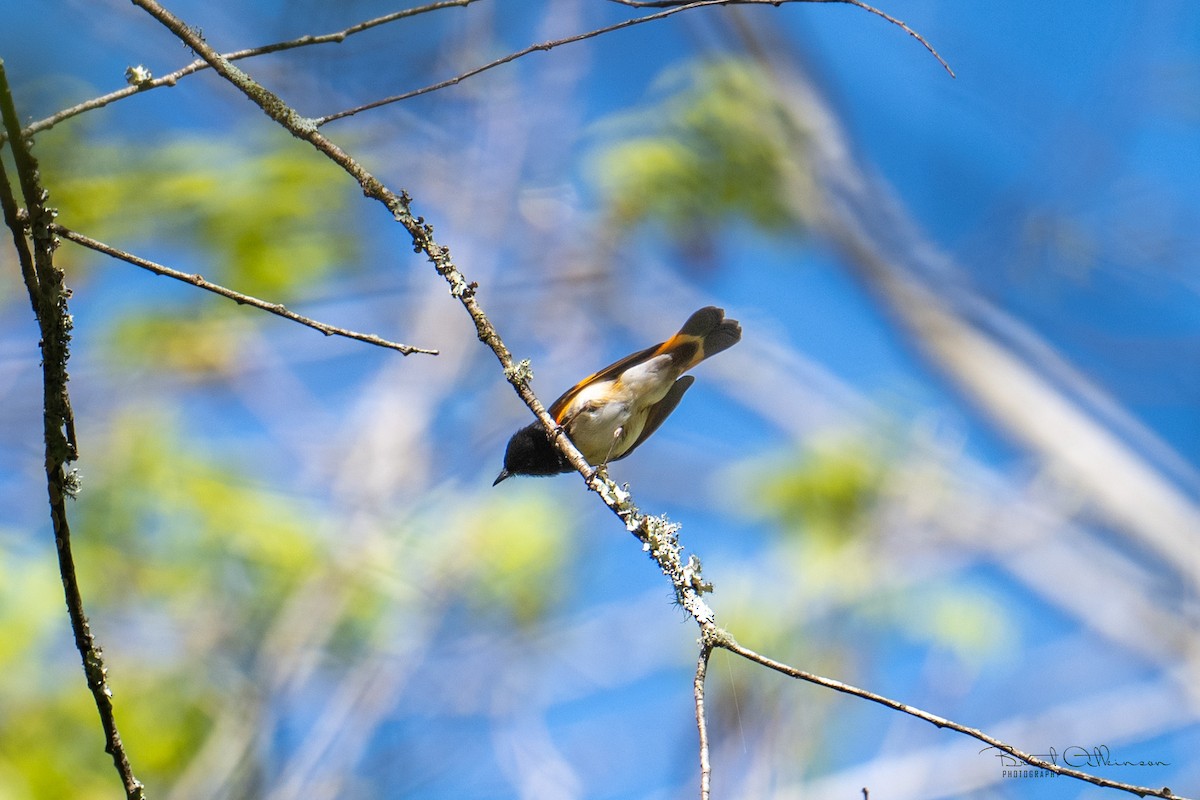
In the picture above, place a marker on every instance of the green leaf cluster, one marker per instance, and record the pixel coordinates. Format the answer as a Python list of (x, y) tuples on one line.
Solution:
[(826, 493), (266, 218), (715, 147), (824, 504), (512, 555), (199, 342)]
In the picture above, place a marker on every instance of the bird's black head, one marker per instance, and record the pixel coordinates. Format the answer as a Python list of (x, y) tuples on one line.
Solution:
[(531, 452)]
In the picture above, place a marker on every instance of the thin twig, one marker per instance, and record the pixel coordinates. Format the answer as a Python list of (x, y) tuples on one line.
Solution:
[(172, 78), (701, 719), (723, 640), (670, 7), (533, 48), (49, 297), (241, 299), (859, 3), (900, 24)]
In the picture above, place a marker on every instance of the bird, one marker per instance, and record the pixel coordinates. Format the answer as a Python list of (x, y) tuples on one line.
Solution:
[(608, 414)]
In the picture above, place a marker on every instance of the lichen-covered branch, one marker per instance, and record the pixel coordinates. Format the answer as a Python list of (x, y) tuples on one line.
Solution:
[(34, 240), (702, 718)]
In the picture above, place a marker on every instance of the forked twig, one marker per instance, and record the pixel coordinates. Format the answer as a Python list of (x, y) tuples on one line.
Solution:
[(171, 78), (533, 48), (670, 7)]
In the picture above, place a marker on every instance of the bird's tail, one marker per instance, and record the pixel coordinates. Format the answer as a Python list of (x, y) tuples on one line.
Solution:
[(705, 334)]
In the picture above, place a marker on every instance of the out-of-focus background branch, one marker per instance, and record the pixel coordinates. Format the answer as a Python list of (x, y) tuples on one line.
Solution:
[(954, 459)]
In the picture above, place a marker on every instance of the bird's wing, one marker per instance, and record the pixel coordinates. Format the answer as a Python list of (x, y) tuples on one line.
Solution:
[(558, 409), (660, 411)]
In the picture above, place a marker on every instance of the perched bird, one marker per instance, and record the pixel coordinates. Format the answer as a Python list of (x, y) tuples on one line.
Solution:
[(608, 414)]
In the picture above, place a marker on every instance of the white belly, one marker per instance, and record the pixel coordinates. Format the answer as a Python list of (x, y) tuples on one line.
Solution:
[(609, 416)]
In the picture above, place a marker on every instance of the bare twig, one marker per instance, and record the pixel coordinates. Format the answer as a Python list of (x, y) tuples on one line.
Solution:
[(701, 720), (533, 48), (723, 640), (49, 297), (170, 79), (241, 299), (901, 25), (671, 9), (865, 7)]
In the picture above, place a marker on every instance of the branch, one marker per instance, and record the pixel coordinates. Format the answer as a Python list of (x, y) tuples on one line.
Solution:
[(44, 281), (701, 721), (533, 48), (723, 640), (672, 7), (241, 299), (900, 24), (172, 78), (859, 3)]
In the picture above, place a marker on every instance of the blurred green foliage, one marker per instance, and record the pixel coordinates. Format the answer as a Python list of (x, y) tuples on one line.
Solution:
[(189, 565), (825, 493), (519, 547), (191, 521), (827, 505), (200, 341), (713, 147), (260, 215), (963, 619), (265, 217)]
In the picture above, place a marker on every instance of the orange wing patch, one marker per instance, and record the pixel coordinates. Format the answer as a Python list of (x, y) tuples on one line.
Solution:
[(705, 333), (558, 409)]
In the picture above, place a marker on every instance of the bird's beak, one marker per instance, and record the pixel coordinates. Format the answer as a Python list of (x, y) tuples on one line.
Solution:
[(503, 474)]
